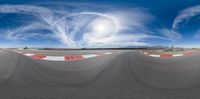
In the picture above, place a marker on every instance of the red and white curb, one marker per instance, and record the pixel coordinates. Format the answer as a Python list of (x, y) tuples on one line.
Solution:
[(168, 55), (65, 58)]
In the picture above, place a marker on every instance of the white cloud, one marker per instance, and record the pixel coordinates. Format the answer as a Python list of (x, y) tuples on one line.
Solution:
[(171, 34), (66, 27), (24, 32), (185, 15), (122, 23)]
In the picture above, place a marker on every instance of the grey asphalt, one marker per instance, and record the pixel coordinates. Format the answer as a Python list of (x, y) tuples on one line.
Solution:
[(125, 75)]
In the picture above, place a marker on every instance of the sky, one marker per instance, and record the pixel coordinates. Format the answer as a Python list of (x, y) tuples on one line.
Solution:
[(99, 23)]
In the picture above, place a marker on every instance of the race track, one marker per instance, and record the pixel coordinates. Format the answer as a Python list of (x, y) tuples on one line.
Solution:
[(125, 75)]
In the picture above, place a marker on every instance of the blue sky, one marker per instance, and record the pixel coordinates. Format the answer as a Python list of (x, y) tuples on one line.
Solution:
[(98, 23)]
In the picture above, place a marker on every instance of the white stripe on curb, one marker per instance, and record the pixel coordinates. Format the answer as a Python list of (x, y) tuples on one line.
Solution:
[(89, 55), (153, 55), (176, 55), (167, 55), (108, 53), (54, 58), (29, 54), (64, 58)]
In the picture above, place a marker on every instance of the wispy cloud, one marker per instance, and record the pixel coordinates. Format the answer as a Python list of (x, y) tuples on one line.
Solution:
[(129, 26), (24, 32), (116, 27), (169, 33), (185, 15)]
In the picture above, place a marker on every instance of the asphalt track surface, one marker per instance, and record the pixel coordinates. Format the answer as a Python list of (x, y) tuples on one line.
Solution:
[(125, 75), (63, 52)]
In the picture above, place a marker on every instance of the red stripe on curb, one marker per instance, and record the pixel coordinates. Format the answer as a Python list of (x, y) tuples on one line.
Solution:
[(73, 57), (166, 55), (188, 53), (64, 58), (171, 55), (38, 56)]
